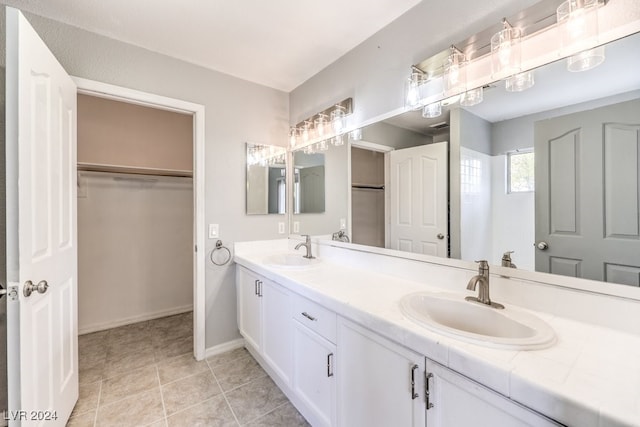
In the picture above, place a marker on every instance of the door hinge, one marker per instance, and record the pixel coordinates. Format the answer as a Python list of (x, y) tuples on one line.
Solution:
[(427, 376)]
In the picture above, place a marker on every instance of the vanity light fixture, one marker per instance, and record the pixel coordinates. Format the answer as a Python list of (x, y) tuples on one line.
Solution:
[(578, 24), (293, 137), (320, 125), (337, 140), (506, 50), (472, 97), (323, 145), (519, 82), (586, 60), (306, 131), (432, 110), (323, 125), (415, 84), (454, 72), (338, 119)]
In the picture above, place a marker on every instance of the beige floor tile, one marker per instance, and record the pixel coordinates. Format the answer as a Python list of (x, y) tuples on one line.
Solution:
[(285, 415), (88, 398), (212, 413), (131, 383), (161, 423), (94, 338), (173, 348), (120, 348), (117, 365), (255, 399), (138, 410), (90, 373), (82, 420), (180, 367), (188, 391), (232, 375), (229, 356)]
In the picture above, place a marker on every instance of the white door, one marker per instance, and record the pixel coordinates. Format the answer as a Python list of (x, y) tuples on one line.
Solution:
[(587, 194), (418, 211), (41, 236)]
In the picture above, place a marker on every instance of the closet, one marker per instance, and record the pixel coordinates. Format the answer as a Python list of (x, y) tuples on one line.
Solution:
[(135, 213), (368, 197)]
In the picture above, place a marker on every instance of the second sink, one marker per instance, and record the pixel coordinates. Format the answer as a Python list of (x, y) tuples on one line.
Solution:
[(451, 315)]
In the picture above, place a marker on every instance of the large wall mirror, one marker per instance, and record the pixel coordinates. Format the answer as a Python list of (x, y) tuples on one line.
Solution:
[(266, 179), (550, 173)]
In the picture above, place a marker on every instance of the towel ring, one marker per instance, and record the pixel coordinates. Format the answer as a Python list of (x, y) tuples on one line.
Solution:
[(220, 246)]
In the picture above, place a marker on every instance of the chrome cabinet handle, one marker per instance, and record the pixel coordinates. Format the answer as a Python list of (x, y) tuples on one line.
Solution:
[(329, 365), (427, 376), (308, 316), (255, 286), (414, 395), (30, 288)]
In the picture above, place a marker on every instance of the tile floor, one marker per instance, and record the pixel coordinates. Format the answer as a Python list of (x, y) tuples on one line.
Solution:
[(144, 374)]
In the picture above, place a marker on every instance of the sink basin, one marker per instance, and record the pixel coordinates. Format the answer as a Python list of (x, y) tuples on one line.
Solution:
[(451, 315), (291, 261)]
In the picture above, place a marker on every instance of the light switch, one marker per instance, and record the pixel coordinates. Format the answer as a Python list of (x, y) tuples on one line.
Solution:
[(296, 226), (343, 224), (213, 231), (281, 227)]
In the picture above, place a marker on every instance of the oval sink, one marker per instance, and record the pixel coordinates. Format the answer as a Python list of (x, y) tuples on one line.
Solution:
[(451, 315), (291, 261)]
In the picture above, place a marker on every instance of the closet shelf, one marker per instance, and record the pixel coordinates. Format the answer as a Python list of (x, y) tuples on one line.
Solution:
[(96, 167)]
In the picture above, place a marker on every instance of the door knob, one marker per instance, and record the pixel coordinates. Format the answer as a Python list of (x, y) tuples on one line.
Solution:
[(543, 246), (29, 287), (440, 236)]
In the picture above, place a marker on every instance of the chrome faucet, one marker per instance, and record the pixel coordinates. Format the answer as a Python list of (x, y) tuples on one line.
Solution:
[(306, 244), (340, 236), (483, 279), (506, 260)]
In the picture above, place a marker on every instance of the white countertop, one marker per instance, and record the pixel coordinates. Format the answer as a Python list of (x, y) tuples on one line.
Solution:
[(590, 377)]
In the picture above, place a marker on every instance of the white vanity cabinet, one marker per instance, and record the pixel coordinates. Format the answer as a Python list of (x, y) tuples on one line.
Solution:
[(379, 382), (456, 400), (314, 351), (264, 319)]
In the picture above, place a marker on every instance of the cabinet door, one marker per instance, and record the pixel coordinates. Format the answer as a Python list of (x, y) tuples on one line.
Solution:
[(313, 375), (459, 401), (374, 379), (276, 332), (249, 307)]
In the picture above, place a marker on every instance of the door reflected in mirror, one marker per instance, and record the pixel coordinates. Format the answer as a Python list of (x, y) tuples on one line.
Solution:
[(308, 183), (266, 179)]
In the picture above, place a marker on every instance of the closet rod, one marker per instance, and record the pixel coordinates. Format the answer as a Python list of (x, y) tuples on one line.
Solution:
[(94, 167), (367, 187)]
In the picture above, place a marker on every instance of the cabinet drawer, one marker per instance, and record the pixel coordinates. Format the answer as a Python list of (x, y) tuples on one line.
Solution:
[(315, 317)]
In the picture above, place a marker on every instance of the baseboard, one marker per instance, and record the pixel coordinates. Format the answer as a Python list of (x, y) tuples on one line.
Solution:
[(134, 319), (224, 347)]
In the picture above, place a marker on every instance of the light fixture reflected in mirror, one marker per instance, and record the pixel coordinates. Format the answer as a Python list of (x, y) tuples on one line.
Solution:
[(455, 72), (306, 129), (293, 137), (415, 84), (472, 97), (337, 140), (432, 110), (519, 82), (586, 60), (338, 119), (320, 125), (506, 50), (323, 145), (356, 134)]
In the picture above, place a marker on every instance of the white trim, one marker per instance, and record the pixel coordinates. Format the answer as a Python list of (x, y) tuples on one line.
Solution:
[(104, 90), (134, 319), (224, 347), (372, 146)]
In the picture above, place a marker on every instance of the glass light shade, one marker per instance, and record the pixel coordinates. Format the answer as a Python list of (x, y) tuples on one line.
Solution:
[(356, 134), (578, 24), (455, 73), (472, 97), (337, 140), (323, 145), (293, 137), (586, 60), (306, 131), (519, 82), (506, 50), (432, 110), (415, 85), (338, 119), (320, 125)]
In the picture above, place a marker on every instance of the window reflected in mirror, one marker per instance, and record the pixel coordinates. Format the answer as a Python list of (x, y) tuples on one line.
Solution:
[(266, 179), (308, 182)]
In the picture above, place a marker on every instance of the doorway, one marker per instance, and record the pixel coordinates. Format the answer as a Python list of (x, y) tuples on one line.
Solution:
[(136, 180)]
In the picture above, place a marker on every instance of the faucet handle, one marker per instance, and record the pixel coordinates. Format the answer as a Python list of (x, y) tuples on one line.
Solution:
[(484, 265)]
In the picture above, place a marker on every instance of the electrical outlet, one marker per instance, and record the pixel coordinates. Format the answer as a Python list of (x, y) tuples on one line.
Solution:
[(343, 224), (296, 226), (214, 231), (281, 227)]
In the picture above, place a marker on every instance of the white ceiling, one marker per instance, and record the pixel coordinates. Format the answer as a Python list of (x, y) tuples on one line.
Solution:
[(276, 43)]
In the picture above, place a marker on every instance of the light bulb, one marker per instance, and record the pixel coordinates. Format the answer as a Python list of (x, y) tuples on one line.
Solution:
[(454, 74), (414, 87), (338, 119), (506, 50)]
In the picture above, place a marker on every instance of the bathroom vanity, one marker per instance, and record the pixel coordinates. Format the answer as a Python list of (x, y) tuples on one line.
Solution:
[(333, 337)]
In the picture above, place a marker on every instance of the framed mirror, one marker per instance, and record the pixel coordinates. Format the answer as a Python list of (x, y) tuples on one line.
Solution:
[(266, 180)]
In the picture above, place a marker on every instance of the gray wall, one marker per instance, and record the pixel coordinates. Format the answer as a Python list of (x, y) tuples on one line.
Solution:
[(393, 136), (374, 72), (236, 111), (475, 132)]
